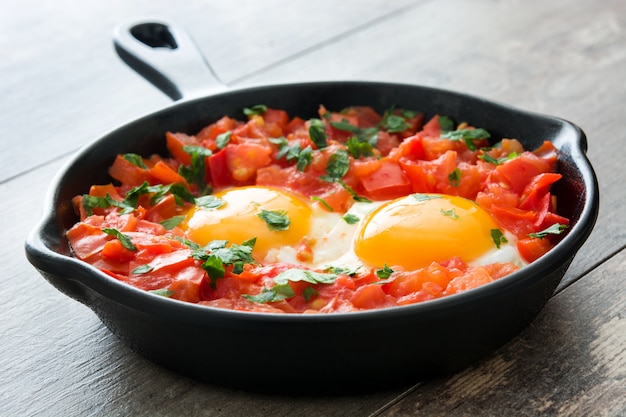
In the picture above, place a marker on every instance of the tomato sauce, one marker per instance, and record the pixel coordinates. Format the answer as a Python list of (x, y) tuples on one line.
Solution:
[(130, 229)]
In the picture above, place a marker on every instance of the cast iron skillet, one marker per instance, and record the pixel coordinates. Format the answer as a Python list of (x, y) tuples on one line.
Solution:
[(304, 353)]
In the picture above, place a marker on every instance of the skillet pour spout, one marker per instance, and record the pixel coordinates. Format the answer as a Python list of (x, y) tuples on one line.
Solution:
[(357, 351)]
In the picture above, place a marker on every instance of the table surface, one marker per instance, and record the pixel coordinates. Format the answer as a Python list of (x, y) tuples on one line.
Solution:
[(62, 86)]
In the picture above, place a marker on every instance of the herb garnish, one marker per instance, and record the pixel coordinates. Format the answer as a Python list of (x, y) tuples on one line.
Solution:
[(125, 240), (385, 272), (351, 218), (455, 177), (303, 157), (498, 237), (555, 229), (424, 197), (276, 220), (196, 172), (338, 165), (135, 159), (256, 110), (449, 213), (209, 202), (317, 133), (222, 139), (467, 135)]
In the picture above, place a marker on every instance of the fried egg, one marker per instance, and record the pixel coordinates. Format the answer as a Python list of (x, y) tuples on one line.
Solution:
[(410, 232)]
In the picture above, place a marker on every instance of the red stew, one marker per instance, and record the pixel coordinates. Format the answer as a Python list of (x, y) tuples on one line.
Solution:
[(131, 231)]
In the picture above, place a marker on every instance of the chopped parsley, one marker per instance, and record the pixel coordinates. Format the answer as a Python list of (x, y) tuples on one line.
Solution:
[(445, 124), (303, 157), (209, 202), (142, 269), (222, 139), (351, 218), (420, 198), (125, 240), (385, 272), (256, 110), (308, 293), (317, 133), (467, 135), (135, 159), (163, 292), (450, 213), (455, 177), (297, 275), (323, 203), (497, 161), (555, 229), (276, 220), (271, 295), (498, 237), (338, 165), (196, 172)]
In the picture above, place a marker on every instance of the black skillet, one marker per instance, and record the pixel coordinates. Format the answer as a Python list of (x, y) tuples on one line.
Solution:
[(296, 353)]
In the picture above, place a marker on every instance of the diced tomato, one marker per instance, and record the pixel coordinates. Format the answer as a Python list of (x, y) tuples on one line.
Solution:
[(207, 136), (371, 296), (128, 173), (165, 174), (531, 249), (536, 189), (175, 144), (520, 171), (386, 183), (279, 117), (474, 278), (114, 250)]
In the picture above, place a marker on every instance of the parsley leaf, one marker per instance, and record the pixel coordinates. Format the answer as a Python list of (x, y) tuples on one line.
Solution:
[(356, 148), (196, 172), (445, 124), (467, 135), (303, 157), (256, 110), (351, 218), (135, 159), (498, 237), (455, 177), (424, 197), (555, 229), (338, 165), (497, 161), (142, 269), (222, 139), (394, 123), (90, 202), (362, 135), (385, 272), (323, 203), (271, 295), (449, 213), (276, 220), (297, 275), (317, 133), (125, 240), (209, 202), (342, 271), (163, 292), (172, 222), (308, 293)]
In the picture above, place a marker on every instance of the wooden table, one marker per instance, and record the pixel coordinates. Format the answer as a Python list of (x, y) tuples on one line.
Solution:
[(62, 86)]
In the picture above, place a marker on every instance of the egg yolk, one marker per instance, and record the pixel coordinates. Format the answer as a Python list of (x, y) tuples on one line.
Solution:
[(415, 230), (238, 219)]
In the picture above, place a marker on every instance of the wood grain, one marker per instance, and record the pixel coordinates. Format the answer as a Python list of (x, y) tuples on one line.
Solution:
[(62, 86), (571, 361)]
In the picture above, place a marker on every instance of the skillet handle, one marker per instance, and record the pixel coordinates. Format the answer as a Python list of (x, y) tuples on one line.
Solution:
[(165, 55)]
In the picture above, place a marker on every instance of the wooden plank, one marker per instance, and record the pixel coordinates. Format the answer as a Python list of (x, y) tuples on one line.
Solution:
[(571, 361), (66, 91)]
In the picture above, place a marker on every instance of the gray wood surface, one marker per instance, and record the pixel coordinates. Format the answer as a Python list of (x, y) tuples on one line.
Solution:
[(62, 86)]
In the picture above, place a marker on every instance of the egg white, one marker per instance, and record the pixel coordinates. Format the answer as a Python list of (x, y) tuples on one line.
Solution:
[(334, 239)]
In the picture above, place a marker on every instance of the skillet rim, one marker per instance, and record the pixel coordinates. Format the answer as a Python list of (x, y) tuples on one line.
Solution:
[(49, 261)]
